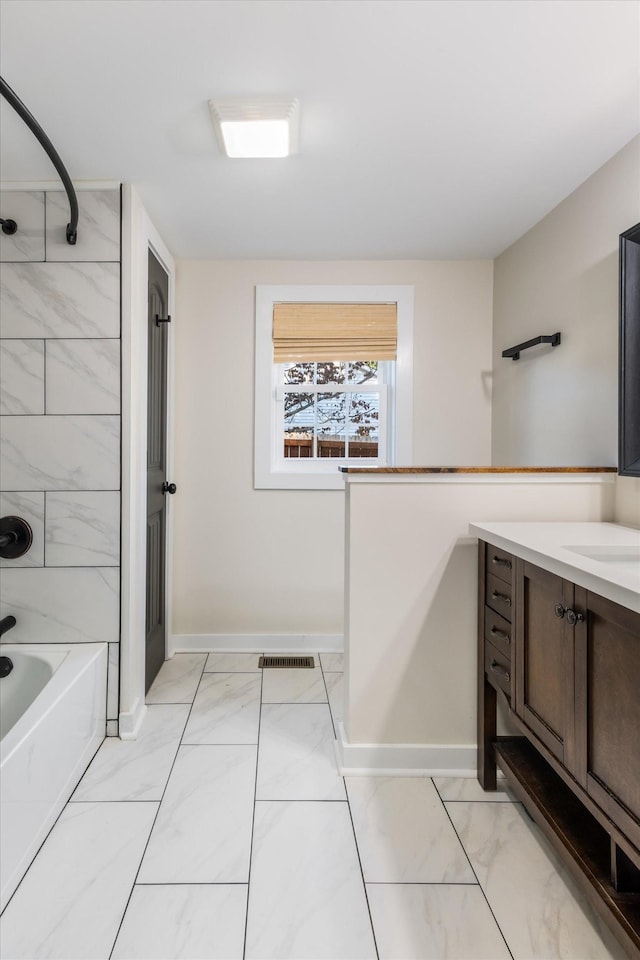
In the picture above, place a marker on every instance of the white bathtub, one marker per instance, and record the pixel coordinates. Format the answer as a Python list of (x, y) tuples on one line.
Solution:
[(53, 707)]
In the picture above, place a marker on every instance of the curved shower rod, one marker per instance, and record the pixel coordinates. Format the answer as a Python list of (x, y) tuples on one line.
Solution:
[(10, 226)]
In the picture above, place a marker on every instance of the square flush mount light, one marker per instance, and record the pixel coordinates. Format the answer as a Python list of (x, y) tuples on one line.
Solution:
[(256, 128)]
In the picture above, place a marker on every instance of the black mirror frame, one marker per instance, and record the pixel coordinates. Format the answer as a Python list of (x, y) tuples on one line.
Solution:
[(629, 355)]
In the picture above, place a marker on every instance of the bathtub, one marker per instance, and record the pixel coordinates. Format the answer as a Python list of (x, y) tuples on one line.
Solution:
[(53, 707)]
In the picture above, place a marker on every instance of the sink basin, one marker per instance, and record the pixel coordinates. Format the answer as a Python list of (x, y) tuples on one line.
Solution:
[(609, 554)]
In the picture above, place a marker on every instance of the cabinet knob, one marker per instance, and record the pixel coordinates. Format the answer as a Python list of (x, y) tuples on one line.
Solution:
[(573, 617), (169, 487), (559, 611)]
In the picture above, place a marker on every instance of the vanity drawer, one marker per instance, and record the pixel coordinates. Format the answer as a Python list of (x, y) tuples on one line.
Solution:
[(499, 563), (497, 631), (497, 668), (498, 596)]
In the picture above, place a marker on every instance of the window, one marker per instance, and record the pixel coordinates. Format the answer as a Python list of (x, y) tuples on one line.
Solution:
[(333, 409), (333, 382)]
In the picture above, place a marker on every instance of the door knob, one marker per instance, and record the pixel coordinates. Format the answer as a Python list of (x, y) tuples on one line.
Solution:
[(169, 487)]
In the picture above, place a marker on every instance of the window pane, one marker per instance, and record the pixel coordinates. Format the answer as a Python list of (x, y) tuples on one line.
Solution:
[(299, 420), (331, 371), (363, 371), (331, 423), (298, 372), (364, 424)]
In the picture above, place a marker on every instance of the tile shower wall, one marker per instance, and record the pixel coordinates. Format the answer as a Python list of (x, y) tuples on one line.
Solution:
[(60, 420)]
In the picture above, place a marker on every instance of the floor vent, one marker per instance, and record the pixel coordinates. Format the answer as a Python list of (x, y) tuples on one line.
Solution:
[(286, 662)]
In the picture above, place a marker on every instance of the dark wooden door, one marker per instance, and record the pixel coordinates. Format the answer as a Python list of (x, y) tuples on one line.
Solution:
[(544, 643), (156, 632), (608, 708)]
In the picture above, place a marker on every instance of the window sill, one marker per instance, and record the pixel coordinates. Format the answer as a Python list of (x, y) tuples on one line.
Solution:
[(307, 480)]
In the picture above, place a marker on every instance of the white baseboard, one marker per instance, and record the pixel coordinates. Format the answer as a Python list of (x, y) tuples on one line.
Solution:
[(404, 759), (255, 643), (129, 723)]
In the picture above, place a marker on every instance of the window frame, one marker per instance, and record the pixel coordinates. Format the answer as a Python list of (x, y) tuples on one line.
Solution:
[(271, 469)]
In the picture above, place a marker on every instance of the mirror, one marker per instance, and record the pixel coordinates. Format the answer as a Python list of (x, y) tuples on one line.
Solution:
[(629, 370)]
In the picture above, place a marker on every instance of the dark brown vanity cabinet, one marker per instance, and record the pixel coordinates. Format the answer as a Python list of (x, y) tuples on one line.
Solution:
[(544, 643), (607, 645), (566, 663)]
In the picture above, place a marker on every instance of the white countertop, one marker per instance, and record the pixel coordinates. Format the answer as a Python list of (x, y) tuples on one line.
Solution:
[(602, 557)]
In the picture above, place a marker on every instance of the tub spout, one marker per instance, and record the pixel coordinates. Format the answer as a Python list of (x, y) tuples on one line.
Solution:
[(6, 624)]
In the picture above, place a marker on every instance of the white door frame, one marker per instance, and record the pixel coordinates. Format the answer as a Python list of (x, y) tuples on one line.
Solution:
[(138, 237)]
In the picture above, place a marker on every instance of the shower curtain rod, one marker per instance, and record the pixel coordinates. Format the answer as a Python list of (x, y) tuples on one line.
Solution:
[(9, 226)]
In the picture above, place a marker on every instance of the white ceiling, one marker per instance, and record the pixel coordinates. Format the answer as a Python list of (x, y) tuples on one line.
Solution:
[(429, 128)]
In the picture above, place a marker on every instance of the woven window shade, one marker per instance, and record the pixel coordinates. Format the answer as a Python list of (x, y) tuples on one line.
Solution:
[(334, 331)]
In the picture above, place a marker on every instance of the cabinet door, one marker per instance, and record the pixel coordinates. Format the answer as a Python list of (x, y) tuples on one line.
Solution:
[(608, 708), (544, 659)]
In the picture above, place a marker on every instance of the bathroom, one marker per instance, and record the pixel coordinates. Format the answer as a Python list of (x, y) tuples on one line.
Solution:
[(512, 240)]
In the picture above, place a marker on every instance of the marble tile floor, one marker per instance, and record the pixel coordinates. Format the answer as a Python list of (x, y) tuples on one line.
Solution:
[(224, 831)]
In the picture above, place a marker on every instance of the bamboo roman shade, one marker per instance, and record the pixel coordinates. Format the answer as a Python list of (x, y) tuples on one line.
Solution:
[(334, 331)]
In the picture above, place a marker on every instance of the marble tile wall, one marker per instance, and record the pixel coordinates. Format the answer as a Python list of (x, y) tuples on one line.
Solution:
[(60, 420)]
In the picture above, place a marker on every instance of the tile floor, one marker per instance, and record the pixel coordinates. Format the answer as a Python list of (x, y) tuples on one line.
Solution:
[(224, 831)]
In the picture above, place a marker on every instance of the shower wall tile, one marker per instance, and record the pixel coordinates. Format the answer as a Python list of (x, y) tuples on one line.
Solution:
[(27, 209), (83, 529), (60, 300), (83, 376), (60, 329), (29, 506), (113, 672), (98, 226), (60, 453), (22, 377), (56, 605)]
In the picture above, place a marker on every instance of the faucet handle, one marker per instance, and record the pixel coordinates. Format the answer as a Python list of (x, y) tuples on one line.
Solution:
[(16, 537), (7, 623)]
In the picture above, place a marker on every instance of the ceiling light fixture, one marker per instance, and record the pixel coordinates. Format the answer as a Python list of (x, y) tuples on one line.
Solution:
[(256, 128)]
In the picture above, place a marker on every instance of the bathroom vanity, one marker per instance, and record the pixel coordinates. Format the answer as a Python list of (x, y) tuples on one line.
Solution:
[(559, 642)]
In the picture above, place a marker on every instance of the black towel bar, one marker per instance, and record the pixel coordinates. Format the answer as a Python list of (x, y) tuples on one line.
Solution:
[(514, 352)]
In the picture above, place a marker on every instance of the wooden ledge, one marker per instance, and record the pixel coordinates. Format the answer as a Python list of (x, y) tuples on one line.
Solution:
[(401, 470)]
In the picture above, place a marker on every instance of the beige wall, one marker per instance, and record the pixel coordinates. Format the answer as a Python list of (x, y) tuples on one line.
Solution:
[(410, 631), (270, 561), (558, 406), (628, 501)]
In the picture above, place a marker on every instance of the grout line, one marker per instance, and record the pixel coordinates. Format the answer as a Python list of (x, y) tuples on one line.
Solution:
[(47, 335), (44, 536), (488, 800), (22, 263), (133, 885), (44, 377), (198, 883), (253, 822), (364, 882), (326, 690), (421, 883), (464, 849), (296, 703), (49, 832), (299, 799), (355, 838)]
